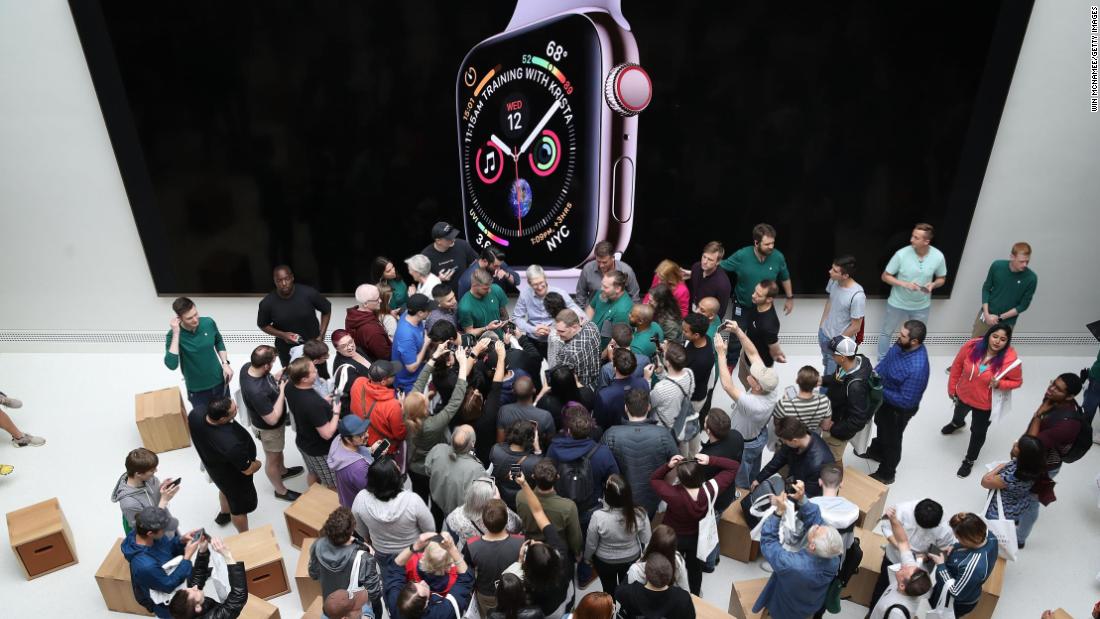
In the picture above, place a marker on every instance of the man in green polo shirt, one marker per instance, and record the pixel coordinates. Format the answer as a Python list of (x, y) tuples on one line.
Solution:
[(1007, 290), (484, 307), (611, 306), (751, 265), (195, 345)]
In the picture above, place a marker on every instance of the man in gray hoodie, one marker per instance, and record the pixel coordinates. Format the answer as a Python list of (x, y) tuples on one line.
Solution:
[(332, 560), (139, 488)]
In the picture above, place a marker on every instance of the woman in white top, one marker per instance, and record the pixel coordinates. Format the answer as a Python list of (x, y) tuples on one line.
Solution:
[(662, 541)]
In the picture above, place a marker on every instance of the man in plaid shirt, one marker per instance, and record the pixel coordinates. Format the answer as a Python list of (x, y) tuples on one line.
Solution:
[(580, 348), (904, 373)]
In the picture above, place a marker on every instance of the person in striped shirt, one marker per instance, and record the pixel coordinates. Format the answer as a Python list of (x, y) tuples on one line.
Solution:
[(808, 407)]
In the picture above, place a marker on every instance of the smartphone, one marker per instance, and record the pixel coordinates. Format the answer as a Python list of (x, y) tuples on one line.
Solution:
[(201, 533), (383, 447), (175, 482), (514, 471)]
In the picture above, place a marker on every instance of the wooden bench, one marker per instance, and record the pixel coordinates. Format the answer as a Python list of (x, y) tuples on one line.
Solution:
[(113, 578), (308, 589), (706, 610), (862, 584), (743, 595), (307, 515), (991, 592), (734, 540), (41, 538), (265, 571), (868, 494), (259, 608)]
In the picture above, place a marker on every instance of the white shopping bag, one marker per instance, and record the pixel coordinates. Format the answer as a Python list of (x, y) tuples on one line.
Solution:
[(1002, 398), (1003, 528)]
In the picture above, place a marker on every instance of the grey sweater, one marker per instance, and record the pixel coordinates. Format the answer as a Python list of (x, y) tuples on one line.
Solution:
[(132, 500), (609, 540), (433, 431), (391, 525)]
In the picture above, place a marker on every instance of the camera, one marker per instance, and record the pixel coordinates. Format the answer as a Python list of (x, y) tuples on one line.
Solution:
[(656, 339), (509, 327), (788, 485)]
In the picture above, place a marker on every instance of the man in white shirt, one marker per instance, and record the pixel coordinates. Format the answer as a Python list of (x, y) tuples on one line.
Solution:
[(909, 582), (924, 527)]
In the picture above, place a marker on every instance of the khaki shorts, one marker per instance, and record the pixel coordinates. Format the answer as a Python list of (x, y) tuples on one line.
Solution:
[(836, 446), (272, 440)]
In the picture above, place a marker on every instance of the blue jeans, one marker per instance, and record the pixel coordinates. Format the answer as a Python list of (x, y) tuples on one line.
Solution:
[(1031, 515), (1092, 399), (826, 355), (750, 459), (206, 396), (894, 318)]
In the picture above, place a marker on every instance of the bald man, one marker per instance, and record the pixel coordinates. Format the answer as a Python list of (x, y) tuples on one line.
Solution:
[(451, 468), (711, 308), (365, 324), (342, 604)]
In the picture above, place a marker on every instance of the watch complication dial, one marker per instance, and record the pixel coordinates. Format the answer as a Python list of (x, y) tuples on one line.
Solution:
[(628, 89)]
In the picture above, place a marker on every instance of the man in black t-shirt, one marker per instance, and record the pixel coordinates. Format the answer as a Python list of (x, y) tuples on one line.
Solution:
[(763, 329), (229, 455), (491, 552), (700, 356), (450, 256), (265, 403), (314, 419), (289, 313), (723, 441)]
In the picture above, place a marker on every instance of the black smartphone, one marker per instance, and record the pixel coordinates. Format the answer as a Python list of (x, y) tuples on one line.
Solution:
[(383, 447), (201, 533), (514, 471), (175, 482)]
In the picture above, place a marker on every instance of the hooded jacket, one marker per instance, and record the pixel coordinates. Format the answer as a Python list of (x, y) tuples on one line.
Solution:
[(350, 469), (331, 566), (848, 395), (146, 572), (639, 448), (368, 333), (603, 465), (391, 525), (971, 385), (386, 419), (132, 500), (238, 589)]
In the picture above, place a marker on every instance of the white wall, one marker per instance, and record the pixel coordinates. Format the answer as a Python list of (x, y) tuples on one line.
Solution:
[(73, 258)]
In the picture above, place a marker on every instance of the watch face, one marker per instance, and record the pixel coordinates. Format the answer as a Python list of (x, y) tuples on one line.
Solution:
[(529, 110)]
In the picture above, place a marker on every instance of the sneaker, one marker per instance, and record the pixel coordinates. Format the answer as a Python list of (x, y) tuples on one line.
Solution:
[(767, 567), (293, 471), (10, 402), (1019, 545), (289, 495), (222, 519), (28, 440), (965, 468), (6, 469), (882, 479), (868, 455), (951, 428)]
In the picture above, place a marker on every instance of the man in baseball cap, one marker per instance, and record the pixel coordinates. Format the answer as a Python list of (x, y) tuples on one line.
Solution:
[(848, 392), (147, 549), (349, 459), (450, 256)]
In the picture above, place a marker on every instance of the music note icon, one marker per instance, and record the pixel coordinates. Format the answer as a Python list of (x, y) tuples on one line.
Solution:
[(486, 165), (490, 163)]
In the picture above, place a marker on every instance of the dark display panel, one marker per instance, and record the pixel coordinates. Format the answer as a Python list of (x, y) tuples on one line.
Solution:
[(323, 134)]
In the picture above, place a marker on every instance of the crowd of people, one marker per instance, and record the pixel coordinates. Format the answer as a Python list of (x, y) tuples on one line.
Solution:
[(493, 462)]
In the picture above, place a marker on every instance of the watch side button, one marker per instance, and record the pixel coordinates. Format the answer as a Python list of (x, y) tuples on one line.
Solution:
[(622, 190)]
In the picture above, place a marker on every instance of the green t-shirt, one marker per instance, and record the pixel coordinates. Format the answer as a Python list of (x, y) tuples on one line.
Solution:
[(198, 358), (643, 343), (400, 294), (1004, 290), (606, 313), (750, 271), (907, 266), (1094, 373), (475, 312)]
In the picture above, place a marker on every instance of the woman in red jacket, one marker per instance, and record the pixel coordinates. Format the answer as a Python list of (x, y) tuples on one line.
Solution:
[(687, 503), (972, 381)]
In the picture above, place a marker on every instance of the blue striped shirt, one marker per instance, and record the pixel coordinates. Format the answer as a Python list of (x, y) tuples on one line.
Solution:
[(904, 376)]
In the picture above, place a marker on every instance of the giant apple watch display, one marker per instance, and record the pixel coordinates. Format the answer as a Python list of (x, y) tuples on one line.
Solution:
[(546, 135)]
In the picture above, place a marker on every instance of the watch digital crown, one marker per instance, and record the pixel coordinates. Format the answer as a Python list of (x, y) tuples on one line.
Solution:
[(628, 89)]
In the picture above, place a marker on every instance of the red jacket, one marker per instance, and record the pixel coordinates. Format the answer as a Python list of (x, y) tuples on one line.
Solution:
[(972, 386), (684, 512), (368, 333), (386, 419)]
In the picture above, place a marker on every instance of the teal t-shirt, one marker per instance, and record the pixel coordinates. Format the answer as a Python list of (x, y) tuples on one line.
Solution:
[(475, 312), (750, 271), (907, 266), (400, 294), (1094, 373), (606, 313), (1004, 290), (643, 343)]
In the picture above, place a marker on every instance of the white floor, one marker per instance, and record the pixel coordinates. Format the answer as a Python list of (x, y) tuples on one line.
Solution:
[(84, 405)]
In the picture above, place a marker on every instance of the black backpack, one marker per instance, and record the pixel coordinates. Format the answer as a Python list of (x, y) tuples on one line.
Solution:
[(575, 480), (1083, 441)]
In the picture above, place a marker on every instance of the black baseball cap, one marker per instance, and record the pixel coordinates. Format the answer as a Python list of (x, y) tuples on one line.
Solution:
[(420, 303), (381, 370), (444, 230)]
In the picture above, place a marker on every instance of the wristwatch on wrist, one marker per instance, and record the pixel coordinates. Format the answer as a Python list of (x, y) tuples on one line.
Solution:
[(548, 132)]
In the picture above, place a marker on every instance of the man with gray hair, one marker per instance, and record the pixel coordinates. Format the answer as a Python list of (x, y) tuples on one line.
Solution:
[(420, 269), (530, 314), (800, 579), (451, 468), (365, 325)]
